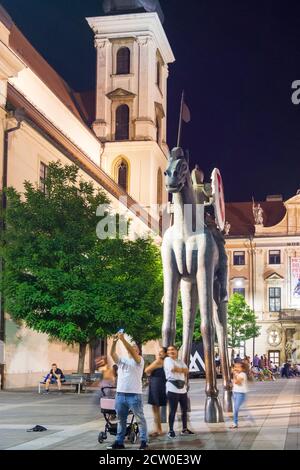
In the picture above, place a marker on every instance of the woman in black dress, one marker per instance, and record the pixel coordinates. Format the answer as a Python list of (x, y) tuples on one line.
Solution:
[(157, 389)]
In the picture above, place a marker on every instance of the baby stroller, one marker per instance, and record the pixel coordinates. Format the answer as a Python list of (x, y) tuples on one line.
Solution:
[(107, 405)]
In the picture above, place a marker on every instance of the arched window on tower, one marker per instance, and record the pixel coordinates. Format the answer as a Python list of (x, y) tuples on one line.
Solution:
[(123, 61), (122, 122), (159, 187), (122, 175)]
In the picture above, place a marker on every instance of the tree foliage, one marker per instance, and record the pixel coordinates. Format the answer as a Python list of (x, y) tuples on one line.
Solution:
[(241, 321), (62, 280)]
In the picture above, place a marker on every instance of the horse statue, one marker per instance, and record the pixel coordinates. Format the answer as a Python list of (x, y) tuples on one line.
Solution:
[(192, 260)]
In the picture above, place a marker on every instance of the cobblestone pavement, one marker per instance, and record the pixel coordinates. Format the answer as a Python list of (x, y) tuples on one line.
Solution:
[(269, 420)]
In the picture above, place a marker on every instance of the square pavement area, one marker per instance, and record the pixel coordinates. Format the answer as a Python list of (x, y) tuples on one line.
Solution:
[(269, 420)]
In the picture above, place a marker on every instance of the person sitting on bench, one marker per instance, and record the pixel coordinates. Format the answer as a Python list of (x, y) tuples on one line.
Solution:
[(55, 376)]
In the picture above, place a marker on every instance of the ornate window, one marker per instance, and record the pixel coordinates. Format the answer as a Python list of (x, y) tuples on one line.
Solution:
[(123, 61), (274, 357), (159, 187), (121, 173), (122, 122), (274, 299), (43, 176), (238, 258), (274, 257)]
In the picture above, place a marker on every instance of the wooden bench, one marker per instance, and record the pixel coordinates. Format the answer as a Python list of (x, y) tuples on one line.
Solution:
[(77, 380)]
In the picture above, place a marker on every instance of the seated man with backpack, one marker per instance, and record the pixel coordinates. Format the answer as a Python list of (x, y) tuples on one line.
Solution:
[(55, 376)]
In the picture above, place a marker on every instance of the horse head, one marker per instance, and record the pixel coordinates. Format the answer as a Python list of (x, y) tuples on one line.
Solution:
[(177, 172)]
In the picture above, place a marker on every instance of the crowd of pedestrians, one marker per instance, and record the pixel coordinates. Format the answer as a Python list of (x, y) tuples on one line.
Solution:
[(168, 385)]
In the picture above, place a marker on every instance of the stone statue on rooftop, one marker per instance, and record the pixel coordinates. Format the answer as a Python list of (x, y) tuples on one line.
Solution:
[(258, 214), (227, 228)]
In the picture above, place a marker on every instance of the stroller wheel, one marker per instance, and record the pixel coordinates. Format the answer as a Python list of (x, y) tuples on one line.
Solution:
[(101, 437), (133, 437)]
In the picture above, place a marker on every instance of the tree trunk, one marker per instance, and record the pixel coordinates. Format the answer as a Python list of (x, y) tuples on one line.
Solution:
[(81, 357), (140, 346)]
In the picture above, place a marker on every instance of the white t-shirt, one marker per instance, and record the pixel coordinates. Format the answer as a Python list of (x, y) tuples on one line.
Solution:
[(169, 364), (130, 375), (243, 387)]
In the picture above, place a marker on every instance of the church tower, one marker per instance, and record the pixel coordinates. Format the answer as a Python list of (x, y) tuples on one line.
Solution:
[(133, 54)]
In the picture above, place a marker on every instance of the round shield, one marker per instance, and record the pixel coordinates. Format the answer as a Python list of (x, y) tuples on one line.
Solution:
[(218, 198)]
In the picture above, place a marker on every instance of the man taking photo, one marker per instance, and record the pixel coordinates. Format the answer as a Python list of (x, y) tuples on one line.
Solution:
[(129, 391)]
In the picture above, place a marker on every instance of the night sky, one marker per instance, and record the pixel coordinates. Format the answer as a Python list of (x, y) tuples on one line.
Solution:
[(236, 60)]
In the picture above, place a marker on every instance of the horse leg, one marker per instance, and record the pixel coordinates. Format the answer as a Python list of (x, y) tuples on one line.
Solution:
[(220, 320), (171, 286), (213, 409), (189, 299)]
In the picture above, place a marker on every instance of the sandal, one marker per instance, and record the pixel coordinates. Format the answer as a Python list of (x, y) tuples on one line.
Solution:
[(154, 434)]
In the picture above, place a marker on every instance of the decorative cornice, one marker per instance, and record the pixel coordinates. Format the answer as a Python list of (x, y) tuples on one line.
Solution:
[(10, 64), (133, 25), (144, 40), (101, 43), (274, 277), (120, 93)]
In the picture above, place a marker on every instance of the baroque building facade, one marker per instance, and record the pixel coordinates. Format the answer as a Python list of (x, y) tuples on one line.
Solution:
[(264, 265)]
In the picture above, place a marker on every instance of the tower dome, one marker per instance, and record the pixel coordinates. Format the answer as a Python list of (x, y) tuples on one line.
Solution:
[(111, 7)]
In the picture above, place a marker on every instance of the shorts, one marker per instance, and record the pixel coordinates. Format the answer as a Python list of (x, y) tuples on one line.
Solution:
[(54, 380)]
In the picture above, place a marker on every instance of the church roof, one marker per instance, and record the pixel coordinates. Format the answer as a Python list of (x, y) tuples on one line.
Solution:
[(240, 216), (33, 59)]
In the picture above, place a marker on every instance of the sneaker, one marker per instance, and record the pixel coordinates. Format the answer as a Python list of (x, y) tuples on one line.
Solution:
[(116, 445), (171, 435), (45, 392), (233, 426), (144, 445), (186, 432)]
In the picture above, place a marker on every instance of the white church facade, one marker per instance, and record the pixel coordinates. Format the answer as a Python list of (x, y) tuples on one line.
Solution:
[(123, 139)]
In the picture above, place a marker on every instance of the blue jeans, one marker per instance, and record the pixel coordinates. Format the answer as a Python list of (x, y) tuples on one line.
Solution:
[(124, 403), (238, 400)]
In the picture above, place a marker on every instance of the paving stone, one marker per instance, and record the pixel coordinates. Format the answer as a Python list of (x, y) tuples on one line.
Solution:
[(74, 421)]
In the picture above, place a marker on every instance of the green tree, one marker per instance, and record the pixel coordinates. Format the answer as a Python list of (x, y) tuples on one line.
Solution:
[(62, 280), (241, 322)]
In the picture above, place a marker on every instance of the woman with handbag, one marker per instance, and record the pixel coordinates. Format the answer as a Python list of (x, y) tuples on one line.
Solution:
[(176, 372), (157, 389)]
